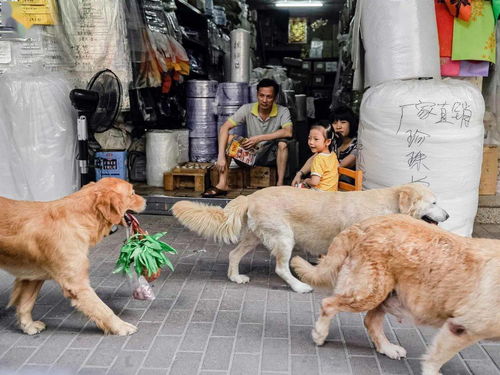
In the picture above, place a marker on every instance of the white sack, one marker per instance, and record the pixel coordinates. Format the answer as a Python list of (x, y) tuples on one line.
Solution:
[(430, 131), (162, 155), (37, 136)]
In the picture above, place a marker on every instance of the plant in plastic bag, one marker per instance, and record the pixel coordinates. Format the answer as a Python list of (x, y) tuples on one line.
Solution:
[(146, 253)]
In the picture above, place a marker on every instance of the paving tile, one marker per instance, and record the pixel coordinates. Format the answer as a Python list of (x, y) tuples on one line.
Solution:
[(364, 366), (276, 325), (52, 348), (232, 300), (301, 313), (158, 310), (148, 371), (494, 352), (142, 339), (127, 362), (391, 366), (305, 364), (357, 341), (107, 350), (71, 360), (301, 342), (411, 341), (162, 352), (176, 322), (212, 290), (253, 312), (275, 355), (226, 323), (333, 358), (455, 366), (186, 363), (196, 337), (37, 370), (245, 364), (249, 338), (478, 367), (205, 311), (218, 353), (15, 358), (277, 301)]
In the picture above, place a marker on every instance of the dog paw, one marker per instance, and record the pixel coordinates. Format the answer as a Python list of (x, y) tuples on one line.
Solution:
[(34, 327), (302, 288), (393, 351), (318, 338), (123, 329), (240, 279)]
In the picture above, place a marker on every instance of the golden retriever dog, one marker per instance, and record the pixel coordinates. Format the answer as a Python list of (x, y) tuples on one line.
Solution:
[(50, 240), (283, 217), (402, 266)]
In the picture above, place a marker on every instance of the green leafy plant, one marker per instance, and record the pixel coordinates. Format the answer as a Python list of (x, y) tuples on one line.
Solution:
[(146, 252)]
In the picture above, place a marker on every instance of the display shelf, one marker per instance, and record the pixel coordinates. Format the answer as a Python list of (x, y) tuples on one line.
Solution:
[(189, 7)]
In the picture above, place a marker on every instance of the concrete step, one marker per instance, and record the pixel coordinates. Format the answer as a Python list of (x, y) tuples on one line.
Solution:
[(488, 211)]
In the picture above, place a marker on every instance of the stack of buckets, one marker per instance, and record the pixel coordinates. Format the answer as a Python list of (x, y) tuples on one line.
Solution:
[(201, 120), (230, 97)]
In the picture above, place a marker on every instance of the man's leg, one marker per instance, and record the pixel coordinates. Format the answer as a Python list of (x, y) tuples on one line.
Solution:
[(281, 160), (223, 176)]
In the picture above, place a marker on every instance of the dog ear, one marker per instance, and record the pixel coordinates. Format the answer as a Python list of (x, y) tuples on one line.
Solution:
[(111, 206), (406, 201)]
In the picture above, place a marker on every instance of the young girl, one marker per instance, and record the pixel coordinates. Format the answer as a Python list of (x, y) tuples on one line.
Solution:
[(345, 124), (324, 167)]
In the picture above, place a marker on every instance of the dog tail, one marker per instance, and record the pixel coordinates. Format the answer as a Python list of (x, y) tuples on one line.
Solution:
[(221, 225), (326, 272)]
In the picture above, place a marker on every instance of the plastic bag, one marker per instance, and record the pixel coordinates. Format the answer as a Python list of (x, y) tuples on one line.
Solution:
[(139, 287)]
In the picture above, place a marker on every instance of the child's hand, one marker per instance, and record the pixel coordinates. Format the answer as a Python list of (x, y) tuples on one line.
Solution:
[(296, 179)]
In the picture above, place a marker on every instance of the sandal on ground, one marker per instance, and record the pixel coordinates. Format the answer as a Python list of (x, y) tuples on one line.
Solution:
[(214, 192)]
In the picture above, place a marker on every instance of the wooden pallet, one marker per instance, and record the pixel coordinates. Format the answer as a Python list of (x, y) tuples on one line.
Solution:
[(190, 175)]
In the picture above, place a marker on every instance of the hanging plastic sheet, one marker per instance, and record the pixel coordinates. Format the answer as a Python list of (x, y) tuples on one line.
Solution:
[(37, 135), (96, 34)]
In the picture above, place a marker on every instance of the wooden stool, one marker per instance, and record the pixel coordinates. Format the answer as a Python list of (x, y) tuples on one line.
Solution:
[(189, 175)]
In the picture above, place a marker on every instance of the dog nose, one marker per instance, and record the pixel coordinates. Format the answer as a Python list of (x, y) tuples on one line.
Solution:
[(446, 216)]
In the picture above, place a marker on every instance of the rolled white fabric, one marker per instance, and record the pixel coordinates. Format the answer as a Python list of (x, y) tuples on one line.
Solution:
[(400, 40), (240, 55), (162, 155), (427, 131)]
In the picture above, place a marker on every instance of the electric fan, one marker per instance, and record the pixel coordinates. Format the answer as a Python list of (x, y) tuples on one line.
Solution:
[(97, 107)]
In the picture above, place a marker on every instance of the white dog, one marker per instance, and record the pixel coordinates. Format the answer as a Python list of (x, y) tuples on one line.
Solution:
[(283, 217)]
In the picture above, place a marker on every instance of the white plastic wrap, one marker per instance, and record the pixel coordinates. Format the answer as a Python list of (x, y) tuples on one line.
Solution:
[(37, 136), (162, 155), (428, 131), (240, 55), (400, 40)]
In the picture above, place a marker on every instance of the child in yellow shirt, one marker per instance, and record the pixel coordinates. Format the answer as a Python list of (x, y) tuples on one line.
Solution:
[(324, 167)]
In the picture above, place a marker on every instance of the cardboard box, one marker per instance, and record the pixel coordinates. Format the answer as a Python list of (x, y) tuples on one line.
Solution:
[(261, 177), (111, 164), (489, 170)]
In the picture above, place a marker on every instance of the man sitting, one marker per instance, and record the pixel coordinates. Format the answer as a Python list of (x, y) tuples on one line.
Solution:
[(269, 126)]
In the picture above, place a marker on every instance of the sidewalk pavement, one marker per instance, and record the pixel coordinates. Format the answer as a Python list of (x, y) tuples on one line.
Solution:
[(201, 323)]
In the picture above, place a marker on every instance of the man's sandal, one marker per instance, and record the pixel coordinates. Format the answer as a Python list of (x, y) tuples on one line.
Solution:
[(214, 192)]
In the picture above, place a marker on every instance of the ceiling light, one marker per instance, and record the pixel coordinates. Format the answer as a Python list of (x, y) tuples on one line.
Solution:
[(292, 4)]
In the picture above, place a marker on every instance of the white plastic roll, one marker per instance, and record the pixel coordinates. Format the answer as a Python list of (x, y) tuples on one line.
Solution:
[(427, 131), (38, 139), (162, 155), (400, 40), (240, 55)]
